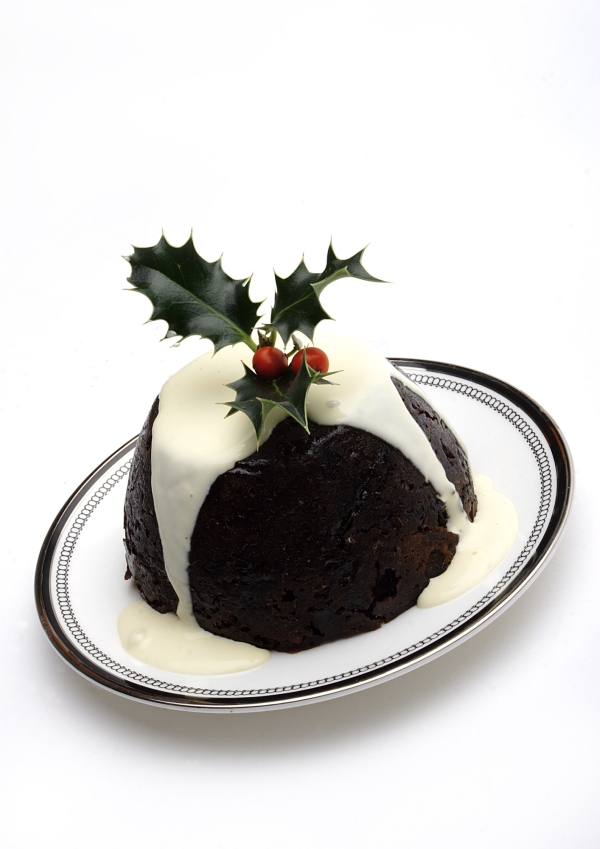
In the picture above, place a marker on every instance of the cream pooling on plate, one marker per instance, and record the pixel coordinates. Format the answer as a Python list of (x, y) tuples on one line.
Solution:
[(184, 466)]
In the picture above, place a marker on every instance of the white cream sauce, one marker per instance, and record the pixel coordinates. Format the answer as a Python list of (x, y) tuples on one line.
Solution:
[(193, 442), (179, 644), (366, 398), (482, 546)]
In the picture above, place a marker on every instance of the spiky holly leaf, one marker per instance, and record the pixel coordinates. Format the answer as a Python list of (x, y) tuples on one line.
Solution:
[(194, 297), (297, 305), (256, 398)]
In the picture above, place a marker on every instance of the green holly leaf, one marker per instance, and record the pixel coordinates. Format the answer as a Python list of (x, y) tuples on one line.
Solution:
[(297, 305), (256, 398), (194, 297)]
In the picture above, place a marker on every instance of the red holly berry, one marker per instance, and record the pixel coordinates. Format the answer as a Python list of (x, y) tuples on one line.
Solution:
[(315, 357), (269, 363)]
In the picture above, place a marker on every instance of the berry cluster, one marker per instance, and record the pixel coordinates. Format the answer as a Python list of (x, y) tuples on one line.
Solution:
[(271, 363)]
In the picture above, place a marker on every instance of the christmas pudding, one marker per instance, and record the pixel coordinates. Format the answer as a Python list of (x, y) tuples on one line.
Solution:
[(285, 498)]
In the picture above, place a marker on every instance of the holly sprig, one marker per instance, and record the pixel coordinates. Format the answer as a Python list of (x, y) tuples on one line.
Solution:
[(198, 298), (256, 398)]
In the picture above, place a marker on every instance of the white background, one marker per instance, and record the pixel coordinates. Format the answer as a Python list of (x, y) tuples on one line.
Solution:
[(461, 141)]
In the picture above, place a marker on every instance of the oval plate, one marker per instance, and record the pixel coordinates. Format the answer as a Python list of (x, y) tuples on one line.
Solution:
[(80, 590)]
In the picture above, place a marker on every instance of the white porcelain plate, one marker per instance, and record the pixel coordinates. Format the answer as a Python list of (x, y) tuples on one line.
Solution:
[(80, 590)]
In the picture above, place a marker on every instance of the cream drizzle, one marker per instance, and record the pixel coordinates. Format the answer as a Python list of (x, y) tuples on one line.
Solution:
[(193, 442), (482, 546), (366, 398), (179, 644)]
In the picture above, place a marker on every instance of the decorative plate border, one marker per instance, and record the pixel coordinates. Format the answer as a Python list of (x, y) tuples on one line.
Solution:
[(110, 672)]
